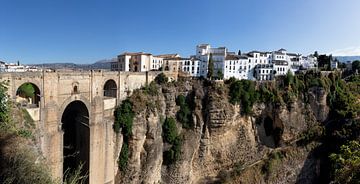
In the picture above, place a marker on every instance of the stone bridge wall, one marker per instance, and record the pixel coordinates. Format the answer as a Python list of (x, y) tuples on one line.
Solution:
[(57, 90)]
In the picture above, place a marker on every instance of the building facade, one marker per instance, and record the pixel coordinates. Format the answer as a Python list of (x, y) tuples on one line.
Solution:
[(254, 65)]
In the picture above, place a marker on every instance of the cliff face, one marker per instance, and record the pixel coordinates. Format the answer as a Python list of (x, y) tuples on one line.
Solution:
[(222, 145)]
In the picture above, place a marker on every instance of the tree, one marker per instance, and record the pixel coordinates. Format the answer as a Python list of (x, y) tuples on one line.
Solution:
[(316, 54), (161, 78), (210, 72), (184, 114), (289, 79), (355, 65), (239, 52), (219, 74), (324, 61), (342, 65), (27, 90), (170, 130)]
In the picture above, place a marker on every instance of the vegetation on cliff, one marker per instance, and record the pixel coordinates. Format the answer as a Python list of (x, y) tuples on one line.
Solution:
[(171, 136), (346, 163), (184, 115), (124, 117)]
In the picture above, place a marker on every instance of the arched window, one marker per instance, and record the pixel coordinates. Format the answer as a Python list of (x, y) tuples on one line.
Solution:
[(110, 89), (75, 90)]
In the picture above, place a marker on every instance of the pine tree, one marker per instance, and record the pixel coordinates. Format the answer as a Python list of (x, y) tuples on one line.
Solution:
[(210, 72)]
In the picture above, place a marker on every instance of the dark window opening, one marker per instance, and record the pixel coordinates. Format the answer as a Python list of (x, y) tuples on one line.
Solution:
[(110, 89)]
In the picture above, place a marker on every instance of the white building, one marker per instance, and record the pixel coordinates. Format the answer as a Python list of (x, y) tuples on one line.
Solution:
[(140, 62), (281, 67), (254, 65), (236, 66), (2, 66), (308, 62), (333, 64), (134, 62), (218, 55), (264, 72), (16, 67), (190, 66)]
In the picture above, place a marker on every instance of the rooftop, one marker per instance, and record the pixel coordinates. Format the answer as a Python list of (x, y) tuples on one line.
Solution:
[(168, 55), (134, 53)]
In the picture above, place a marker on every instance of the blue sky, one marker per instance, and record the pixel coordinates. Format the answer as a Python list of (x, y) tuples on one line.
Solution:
[(84, 31)]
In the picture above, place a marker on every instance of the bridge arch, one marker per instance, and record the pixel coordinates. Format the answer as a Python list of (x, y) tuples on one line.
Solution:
[(28, 93), (75, 119), (110, 88)]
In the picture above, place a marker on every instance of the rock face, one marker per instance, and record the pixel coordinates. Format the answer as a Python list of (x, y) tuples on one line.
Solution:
[(221, 140)]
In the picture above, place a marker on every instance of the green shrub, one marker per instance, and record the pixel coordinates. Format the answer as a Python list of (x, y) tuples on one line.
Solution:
[(180, 100), (243, 92), (75, 176), (171, 136), (124, 156), (170, 130), (311, 134), (346, 163), (184, 115), (289, 79), (151, 89), (173, 154), (230, 80), (272, 163), (342, 101), (25, 133), (161, 78), (21, 167), (124, 118)]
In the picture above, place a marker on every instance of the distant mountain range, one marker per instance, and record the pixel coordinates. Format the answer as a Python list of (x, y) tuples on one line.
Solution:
[(102, 64), (345, 59)]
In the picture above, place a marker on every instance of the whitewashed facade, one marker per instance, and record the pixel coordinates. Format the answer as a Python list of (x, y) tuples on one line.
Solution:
[(254, 65), (191, 66)]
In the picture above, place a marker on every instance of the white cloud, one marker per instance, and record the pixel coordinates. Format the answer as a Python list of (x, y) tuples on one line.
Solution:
[(351, 51)]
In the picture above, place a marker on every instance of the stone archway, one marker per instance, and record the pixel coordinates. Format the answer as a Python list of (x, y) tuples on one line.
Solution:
[(76, 138), (30, 93)]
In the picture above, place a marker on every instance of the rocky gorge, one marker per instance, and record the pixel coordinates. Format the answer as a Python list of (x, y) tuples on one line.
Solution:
[(222, 144)]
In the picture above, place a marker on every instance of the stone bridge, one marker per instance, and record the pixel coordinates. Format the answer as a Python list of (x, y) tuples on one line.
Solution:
[(74, 113)]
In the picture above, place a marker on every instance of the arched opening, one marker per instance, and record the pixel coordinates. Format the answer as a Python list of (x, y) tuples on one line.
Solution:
[(270, 132), (76, 139), (110, 89), (28, 94), (75, 90)]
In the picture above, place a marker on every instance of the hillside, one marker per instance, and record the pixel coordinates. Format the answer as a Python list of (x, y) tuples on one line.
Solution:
[(346, 59), (102, 64)]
